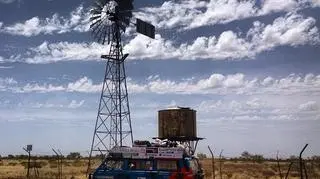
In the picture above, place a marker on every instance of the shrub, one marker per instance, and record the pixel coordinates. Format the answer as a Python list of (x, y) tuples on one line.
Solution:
[(12, 163), (201, 156)]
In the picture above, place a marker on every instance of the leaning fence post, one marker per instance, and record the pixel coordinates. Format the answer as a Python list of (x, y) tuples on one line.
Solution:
[(213, 176), (301, 162)]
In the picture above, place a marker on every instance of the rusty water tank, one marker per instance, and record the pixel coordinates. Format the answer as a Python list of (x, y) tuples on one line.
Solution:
[(177, 122)]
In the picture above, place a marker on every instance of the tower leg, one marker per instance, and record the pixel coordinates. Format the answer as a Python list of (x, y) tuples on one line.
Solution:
[(113, 122)]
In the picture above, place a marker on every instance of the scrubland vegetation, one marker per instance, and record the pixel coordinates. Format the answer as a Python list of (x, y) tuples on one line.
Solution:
[(244, 167)]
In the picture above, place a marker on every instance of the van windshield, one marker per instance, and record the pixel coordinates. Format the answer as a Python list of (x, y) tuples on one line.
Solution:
[(113, 164)]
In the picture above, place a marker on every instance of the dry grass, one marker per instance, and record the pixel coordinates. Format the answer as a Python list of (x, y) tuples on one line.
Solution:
[(15, 169), (257, 170)]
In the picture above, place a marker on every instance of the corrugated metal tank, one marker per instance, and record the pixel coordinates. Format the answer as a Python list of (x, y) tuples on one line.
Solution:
[(177, 122)]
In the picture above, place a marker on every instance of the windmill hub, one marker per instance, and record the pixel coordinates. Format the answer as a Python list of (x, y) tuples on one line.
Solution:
[(109, 11)]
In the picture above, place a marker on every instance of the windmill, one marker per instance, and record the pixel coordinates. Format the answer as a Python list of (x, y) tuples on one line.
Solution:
[(109, 20)]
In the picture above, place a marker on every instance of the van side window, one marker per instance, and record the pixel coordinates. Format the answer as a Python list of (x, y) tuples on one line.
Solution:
[(167, 165), (140, 165)]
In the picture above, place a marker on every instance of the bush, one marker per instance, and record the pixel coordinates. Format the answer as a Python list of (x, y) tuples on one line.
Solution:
[(12, 163), (201, 156), (74, 155)]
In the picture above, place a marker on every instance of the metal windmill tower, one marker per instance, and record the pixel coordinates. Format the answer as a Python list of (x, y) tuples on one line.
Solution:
[(109, 20)]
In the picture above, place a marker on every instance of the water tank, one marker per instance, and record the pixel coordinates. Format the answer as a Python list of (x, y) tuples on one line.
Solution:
[(177, 122)]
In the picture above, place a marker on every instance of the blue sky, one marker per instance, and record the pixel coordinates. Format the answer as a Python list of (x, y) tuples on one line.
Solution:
[(249, 68)]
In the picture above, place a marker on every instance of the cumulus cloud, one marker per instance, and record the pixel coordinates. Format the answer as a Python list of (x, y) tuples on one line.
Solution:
[(290, 30), (6, 82), (77, 21), (84, 85), (253, 108), (63, 51), (184, 14), (214, 84), (269, 6), (316, 3), (74, 104), (189, 14), (7, 1), (6, 67), (309, 106)]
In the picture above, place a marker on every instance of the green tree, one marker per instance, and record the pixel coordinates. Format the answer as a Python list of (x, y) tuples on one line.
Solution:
[(246, 155), (74, 155), (258, 158), (201, 156)]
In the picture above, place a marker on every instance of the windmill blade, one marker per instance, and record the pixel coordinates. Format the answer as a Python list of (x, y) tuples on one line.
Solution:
[(101, 35), (104, 34), (95, 23), (97, 28), (95, 17), (109, 34), (97, 6), (100, 3), (95, 11), (105, 14), (122, 27)]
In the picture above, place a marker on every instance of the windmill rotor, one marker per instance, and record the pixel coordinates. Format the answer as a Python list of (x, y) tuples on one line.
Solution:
[(109, 15)]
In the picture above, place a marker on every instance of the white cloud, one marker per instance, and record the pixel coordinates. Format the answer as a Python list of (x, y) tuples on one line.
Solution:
[(39, 88), (290, 30), (74, 104), (45, 105), (63, 51), (309, 106), (7, 1), (6, 67), (223, 11), (185, 14), (5, 82), (315, 3), (218, 84), (269, 6), (77, 21), (188, 14), (84, 85), (251, 108)]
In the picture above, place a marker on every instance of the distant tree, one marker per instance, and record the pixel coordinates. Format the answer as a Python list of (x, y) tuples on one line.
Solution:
[(293, 157), (100, 156), (74, 155), (246, 155), (316, 157), (10, 156), (257, 158), (21, 156), (201, 156)]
